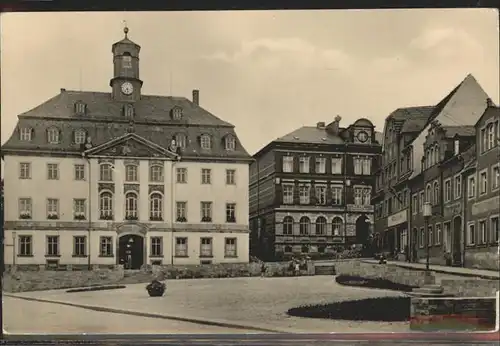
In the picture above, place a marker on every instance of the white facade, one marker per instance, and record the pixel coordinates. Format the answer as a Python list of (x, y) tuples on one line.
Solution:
[(228, 240)]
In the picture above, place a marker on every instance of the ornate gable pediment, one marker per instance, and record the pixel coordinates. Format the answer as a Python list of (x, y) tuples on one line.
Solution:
[(131, 145)]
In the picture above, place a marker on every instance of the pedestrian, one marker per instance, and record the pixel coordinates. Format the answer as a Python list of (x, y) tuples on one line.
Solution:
[(263, 270), (297, 268)]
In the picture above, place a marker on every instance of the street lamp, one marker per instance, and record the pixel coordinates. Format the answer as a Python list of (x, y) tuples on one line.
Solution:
[(427, 211)]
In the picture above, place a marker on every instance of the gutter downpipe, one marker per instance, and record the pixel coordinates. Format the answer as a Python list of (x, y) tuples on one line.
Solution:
[(89, 226)]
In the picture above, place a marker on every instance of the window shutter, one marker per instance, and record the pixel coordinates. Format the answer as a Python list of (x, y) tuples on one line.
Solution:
[(296, 193), (312, 195), (328, 195), (279, 195)]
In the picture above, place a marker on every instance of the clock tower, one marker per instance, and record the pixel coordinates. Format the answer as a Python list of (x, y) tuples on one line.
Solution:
[(125, 84)]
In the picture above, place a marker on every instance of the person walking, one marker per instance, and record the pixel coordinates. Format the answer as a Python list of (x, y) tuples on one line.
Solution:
[(263, 270), (297, 268)]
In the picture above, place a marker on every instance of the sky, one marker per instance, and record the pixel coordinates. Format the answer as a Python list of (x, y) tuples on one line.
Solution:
[(266, 72)]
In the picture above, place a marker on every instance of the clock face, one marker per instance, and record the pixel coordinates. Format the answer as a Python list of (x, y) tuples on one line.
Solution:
[(127, 88), (362, 136)]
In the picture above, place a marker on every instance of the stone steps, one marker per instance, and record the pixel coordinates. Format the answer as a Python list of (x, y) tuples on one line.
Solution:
[(324, 270)]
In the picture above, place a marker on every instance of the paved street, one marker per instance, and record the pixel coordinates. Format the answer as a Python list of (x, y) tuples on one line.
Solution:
[(21, 316), (258, 302)]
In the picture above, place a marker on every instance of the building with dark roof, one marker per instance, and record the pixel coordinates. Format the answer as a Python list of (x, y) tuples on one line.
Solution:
[(310, 190), (422, 156), (106, 178)]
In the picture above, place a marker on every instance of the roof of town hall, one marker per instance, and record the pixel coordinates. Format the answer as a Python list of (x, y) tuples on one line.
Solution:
[(104, 121)]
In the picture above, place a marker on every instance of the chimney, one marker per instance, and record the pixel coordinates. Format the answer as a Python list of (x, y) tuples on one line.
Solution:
[(333, 127), (489, 102), (196, 97), (320, 125), (63, 90)]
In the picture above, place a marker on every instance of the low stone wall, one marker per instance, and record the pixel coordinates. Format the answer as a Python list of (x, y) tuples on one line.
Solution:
[(446, 314), (483, 258), (381, 271), (22, 281), (225, 270), (471, 287)]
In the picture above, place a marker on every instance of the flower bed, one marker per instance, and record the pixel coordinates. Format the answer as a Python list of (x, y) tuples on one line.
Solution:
[(372, 309), (379, 283), (95, 288)]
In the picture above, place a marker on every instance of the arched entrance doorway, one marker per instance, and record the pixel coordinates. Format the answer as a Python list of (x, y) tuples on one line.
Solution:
[(457, 241), (131, 251), (362, 230)]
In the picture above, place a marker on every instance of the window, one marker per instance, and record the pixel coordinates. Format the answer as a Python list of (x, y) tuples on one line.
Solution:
[(471, 188), (439, 235), (362, 166), (180, 140), (483, 182), (128, 111), (304, 194), (106, 172), (447, 236), (79, 172), (320, 165), (131, 206), (337, 226), (304, 164), (156, 247), (25, 170), (206, 175), (358, 196), (106, 247), (52, 245), (471, 233), (52, 171), (447, 190), (288, 194), (181, 175), (126, 60), (421, 201), (491, 136), (80, 108), (181, 211), (230, 247), (25, 245), (230, 177), (457, 186), (206, 247), (25, 134), (25, 208), (495, 229), (288, 225), (367, 196), (79, 246), (156, 207), (230, 143), (336, 165), (176, 113), (53, 136), (320, 226), (304, 225), (131, 173), (181, 247), (106, 206), (456, 148), (428, 193), (436, 193), (205, 142), (206, 211), (230, 212), (156, 173), (79, 211), (422, 237), (80, 136), (337, 192), (52, 209), (288, 164), (430, 236), (320, 193), (482, 232), (495, 177), (414, 205)]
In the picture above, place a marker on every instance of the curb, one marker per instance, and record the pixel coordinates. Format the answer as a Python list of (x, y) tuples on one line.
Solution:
[(216, 323)]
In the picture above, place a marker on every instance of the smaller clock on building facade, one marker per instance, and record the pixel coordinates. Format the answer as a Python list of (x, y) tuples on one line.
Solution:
[(127, 88), (362, 136)]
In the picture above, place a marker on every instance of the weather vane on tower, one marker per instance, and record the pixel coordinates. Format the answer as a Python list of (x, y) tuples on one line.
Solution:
[(125, 28)]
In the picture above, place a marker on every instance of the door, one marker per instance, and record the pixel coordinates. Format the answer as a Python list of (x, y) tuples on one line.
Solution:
[(131, 251)]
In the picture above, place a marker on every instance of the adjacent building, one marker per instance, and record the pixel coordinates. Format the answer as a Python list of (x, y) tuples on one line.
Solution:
[(428, 155), (118, 177), (310, 190)]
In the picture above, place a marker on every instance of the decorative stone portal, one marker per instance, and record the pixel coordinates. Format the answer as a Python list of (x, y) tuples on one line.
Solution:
[(131, 251)]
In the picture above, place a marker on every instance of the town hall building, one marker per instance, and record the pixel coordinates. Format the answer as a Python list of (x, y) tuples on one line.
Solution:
[(106, 178)]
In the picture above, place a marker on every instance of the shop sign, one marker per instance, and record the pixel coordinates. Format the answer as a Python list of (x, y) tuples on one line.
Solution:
[(398, 218)]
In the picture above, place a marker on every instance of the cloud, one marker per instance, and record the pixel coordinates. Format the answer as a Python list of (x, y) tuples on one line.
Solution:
[(276, 52)]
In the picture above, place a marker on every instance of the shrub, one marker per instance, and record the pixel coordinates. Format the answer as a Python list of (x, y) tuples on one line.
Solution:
[(379, 283), (156, 288)]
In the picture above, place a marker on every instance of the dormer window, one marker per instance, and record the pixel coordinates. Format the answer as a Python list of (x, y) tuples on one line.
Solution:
[(229, 142), (25, 134), (80, 136), (205, 142), (456, 147), (128, 111), (180, 140), (127, 60), (53, 135), (176, 113), (80, 108)]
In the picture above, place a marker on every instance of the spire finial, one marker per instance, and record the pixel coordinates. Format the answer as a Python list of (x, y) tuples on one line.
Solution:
[(125, 28)]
